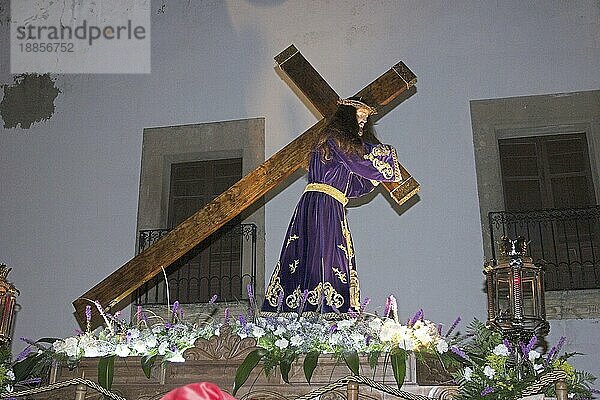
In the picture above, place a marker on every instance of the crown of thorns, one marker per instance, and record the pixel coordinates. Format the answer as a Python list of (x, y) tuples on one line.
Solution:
[(358, 104)]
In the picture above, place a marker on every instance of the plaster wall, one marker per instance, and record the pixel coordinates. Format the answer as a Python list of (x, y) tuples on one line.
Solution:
[(70, 184)]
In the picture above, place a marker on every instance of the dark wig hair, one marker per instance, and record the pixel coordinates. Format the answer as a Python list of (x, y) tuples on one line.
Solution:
[(343, 128)]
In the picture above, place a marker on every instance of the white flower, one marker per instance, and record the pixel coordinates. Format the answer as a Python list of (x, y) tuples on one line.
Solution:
[(122, 350), (140, 347), (375, 325), (296, 340), (357, 339), (533, 355), (280, 330), (345, 323), (258, 332), (67, 346), (162, 348), (217, 332), (406, 344), (9, 388), (151, 341), (10, 375), (176, 357), (282, 343), (501, 350), (468, 373), (489, 372), (388, 330), (441, 346), (91, 351)]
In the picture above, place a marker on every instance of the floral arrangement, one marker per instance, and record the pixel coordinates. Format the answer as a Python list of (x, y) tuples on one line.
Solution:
[(284, 339), (485, 365), (281, 340), (491, 367)]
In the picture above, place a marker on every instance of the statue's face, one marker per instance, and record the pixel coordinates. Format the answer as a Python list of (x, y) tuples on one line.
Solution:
[(362, 114)]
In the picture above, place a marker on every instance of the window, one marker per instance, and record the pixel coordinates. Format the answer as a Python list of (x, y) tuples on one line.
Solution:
[(215, 267), (541, 172)]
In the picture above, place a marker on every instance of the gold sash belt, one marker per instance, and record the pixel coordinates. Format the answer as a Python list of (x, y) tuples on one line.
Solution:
[(327, 189)]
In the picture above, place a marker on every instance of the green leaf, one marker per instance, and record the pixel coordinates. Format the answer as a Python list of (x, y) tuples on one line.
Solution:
[(23, 368), (398, 359), (106, 371), (284, 367), (246, 367), (147, 364), (47, 340), (352, 361), (374, 358), (310, 363)]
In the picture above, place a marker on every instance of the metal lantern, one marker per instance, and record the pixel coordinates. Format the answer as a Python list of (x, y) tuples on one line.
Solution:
[(8, 300), (515, 292)]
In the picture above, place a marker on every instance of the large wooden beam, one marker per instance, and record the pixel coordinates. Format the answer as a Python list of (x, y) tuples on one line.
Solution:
[(318, 92), (112, 292)]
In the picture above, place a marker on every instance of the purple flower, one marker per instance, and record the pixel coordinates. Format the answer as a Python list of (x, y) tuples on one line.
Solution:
[(138, 313), (335, 309), (487, 390), (365, 304), (279, 301), (213, 299), (439, 329), (333, 328), (22, 355), (453, 326), (175, 307), (168, 325), (88, 313), (226, 315), (302, 302), (352, 313), (507, 344), (458, 352), (250, 293), (416, 317), (31, 381), (27, 340), (242, 320), (555, 349), (388, 307), (527, 348)]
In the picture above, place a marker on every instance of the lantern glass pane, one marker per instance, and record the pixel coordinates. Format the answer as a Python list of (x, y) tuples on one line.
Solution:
[(529, 294), (503, 300)]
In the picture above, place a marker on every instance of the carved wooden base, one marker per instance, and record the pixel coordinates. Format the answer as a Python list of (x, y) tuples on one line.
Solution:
[(216, 360)]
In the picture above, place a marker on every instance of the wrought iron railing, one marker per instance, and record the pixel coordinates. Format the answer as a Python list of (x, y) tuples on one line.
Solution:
[(223, 265), (565, 242)]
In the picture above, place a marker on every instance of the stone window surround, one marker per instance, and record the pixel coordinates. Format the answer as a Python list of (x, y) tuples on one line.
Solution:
[(164, 146)]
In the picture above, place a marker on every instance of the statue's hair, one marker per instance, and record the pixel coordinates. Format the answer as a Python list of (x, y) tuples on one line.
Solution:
[(343, 128)]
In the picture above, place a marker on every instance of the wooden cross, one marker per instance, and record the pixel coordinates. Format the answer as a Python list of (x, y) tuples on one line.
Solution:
[(383, 93)]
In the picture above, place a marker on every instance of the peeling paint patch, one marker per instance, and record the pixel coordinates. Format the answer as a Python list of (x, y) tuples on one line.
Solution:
[(28, 100)]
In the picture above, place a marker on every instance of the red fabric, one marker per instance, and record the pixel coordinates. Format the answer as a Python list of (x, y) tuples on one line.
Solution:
[(198, 391)]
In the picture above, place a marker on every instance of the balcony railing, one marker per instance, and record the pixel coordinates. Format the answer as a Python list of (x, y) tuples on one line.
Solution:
[(565, 242), (223, 265)]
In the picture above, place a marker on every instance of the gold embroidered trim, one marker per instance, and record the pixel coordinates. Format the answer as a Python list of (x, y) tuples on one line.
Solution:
[(293, 300), (329, 190), (340, 275), (386, 169), (294, 266), (274, 287), (354, 290)]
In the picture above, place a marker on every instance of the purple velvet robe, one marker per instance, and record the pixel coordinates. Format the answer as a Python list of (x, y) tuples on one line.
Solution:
[(316, 269)]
